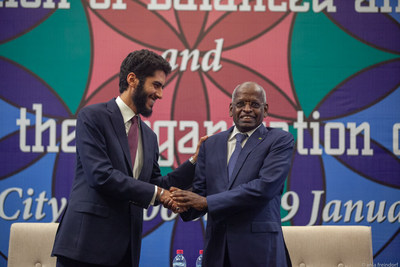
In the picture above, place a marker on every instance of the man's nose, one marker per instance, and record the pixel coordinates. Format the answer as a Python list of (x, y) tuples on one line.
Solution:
[(159, 93), (247, 107)]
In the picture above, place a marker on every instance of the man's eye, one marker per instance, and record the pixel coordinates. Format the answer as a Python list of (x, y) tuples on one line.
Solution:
[(252, 104)]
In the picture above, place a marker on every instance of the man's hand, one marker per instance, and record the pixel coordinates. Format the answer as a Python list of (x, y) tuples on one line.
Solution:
[(166, 200), (178, 208), (186, 199), (202, 139), (173, 189)]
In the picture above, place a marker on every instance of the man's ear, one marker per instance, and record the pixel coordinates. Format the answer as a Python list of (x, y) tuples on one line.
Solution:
[(230, 110), (265, 110), (132, 80)]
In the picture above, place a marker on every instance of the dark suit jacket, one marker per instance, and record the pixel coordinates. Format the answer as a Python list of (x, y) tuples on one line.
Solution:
[(105, 208), (244, 213)]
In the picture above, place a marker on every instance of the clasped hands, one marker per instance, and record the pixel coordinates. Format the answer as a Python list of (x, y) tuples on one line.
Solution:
[(179, 201)]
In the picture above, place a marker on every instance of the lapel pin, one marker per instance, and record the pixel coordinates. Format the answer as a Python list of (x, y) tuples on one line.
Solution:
[(259, 138)]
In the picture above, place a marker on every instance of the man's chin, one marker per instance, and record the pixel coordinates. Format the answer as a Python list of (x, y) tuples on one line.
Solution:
[(147, 113), (248, 123), (245, 127)]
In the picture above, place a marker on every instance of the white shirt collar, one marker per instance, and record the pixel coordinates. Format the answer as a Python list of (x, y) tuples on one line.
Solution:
[(126, 111), (236, 131)]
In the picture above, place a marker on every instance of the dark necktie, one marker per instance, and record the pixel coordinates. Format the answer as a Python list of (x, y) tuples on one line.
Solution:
[(239, 140), (133, 139)]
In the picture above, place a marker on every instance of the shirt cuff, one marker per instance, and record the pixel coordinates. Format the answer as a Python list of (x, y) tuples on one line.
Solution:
[(191, 159), (154, 196)]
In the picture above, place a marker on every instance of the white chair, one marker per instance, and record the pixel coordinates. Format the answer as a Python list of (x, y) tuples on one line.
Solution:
[(31, 245), (325, 246)]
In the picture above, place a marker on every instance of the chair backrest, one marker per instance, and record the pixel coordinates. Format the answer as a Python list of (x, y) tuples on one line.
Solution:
[(338, 246), (31, 244)]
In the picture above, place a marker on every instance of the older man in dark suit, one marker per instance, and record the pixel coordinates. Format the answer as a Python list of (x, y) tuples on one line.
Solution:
[(240, 175)]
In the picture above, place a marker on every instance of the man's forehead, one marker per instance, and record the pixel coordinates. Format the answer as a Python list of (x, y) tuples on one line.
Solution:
[(248, 94), (159, 76)]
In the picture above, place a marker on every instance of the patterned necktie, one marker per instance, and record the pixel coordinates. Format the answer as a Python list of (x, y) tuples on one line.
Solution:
[(239, 140), (133, 139)]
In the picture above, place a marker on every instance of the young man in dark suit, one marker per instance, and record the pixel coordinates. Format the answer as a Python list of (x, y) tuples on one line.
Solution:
[(117, 171)]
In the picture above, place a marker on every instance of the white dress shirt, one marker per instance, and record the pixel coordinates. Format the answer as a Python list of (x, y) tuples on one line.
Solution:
[(127, 115), (232, 141)]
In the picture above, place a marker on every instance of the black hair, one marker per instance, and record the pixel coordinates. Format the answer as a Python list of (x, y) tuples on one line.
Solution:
[(143, 63)]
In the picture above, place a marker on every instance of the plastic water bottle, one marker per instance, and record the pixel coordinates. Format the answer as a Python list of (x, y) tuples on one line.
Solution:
[(199, 259), (179, 260)]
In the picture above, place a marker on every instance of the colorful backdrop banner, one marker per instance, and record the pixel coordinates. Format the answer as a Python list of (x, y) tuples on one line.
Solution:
[(331, 70)]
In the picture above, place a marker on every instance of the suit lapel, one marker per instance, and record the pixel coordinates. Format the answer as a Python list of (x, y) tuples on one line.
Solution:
[(222, 149), (256, 138), (119, 128)]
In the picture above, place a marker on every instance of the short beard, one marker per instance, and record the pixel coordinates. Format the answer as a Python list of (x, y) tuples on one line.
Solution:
[(139, 98)]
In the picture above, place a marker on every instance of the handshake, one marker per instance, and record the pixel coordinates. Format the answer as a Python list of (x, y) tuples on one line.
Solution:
[(179, 201)]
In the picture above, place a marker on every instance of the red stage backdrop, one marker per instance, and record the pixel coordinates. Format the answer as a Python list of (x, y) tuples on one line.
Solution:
[(331, 70)]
